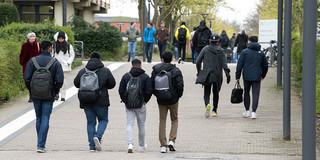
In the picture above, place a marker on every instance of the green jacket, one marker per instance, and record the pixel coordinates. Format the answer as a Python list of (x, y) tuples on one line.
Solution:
[(132, 34)]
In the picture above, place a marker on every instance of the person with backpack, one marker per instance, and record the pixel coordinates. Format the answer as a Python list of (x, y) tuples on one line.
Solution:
[(193, 49), (182, 35), (135, 91), (44, 77), (241, 42), (213, 59), (162, 35), (29, 49), (93, 82), (201, 37), (224, 43), (148, 39), (167, 84), (63, 51)]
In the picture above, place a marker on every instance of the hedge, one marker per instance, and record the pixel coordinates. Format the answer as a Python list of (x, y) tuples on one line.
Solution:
[(9, 13)]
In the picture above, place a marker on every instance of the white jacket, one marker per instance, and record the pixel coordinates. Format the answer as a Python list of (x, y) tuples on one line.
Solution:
[(64, 59)]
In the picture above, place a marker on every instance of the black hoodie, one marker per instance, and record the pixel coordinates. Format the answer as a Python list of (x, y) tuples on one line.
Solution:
[(201, 28), (177, 81), (106, 81)]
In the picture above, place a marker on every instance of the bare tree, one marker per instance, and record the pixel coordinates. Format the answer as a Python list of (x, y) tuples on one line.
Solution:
[(251, 23)]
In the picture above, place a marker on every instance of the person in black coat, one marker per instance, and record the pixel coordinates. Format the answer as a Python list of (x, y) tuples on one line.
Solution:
[(241, 42), (43, 108), (132, 113), (99, 109), (206, 32), (254, 67), (170, 104)]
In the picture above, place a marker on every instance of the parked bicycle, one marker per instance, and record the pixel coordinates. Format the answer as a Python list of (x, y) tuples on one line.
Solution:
[(271, 53)]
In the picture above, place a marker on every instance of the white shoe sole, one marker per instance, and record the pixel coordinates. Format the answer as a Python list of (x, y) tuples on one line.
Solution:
[(97, 143), (207, 114)]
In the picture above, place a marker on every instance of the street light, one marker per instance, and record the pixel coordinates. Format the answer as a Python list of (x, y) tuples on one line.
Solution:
[(204, 15), (120, 25), (210, 20), (161, 6), (149, 11)]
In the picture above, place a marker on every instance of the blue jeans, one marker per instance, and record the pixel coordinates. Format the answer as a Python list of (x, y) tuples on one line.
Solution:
[(132, 48), (194, 54), (92, 113), (176, 52), (148, 47), (162, 48), (43, 111)]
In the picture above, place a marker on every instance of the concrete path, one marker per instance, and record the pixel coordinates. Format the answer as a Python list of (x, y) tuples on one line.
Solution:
[(226, 137)]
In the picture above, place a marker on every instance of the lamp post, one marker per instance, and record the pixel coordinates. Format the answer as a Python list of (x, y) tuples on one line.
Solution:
[(210, 20), (204, 15), (149, 11), (161, 6), (120, 25)]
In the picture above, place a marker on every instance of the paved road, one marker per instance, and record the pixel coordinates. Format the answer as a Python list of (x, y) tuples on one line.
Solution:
[(226, 137)]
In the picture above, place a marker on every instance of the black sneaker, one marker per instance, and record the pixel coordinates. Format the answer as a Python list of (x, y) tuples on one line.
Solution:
[(63, 99), (179, 60)]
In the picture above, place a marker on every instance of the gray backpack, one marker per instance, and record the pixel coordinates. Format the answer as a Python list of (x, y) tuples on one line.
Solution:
[(134, 95), (163, 86), (89, 87), (41, 81)]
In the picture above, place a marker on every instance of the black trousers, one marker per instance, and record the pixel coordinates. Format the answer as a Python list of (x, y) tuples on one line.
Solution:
[(255, 85), (215, 92), (183, 47)]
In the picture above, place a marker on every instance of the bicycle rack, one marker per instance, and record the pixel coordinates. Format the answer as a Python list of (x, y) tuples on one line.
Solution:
[(77, 43)]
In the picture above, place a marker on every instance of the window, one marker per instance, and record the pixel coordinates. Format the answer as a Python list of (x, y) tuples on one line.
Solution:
[(35, 12)]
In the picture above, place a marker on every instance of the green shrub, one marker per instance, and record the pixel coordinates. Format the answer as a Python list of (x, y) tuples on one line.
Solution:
[(76, 63), (9, 13)]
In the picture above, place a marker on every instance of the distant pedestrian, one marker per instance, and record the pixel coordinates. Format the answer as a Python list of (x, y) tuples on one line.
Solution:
[(29, 49), (232, 43), (254, 67), (95, 106), (167, 83), (148, 39), (132, 34), (63, 51), (193, 49), (135, 91), (224, 43), (162, 35), (201, 37), (176, 49), (182, 35), (43, 96), (241, 42), (213, 59)]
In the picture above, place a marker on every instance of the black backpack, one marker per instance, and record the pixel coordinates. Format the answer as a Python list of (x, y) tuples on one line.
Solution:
[(41, 81), (163, 85), (202, 39), (182, 35), (224, 41), (133, 94)]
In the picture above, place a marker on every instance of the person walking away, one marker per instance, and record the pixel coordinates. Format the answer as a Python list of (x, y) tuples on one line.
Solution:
[(193, 50), (167, 75), (162, 35), (241, 42), (135, 91), (43, 89), (232, 42), (213, 59), (95, 102), (132, 34), (29, 49), (254, 67), (63, 51), (224, 43), (176, 49), (201, 37), (148, 39), (182, 35)]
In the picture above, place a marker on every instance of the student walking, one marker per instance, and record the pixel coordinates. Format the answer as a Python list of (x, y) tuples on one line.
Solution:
[(182, 35), (241, 42), (132, 33), (224, 43), (214, 60), (64, 53), (148, 39), (43, 96), (29, 49), (193, 48), (254, 67), (95, 102), (167, 83), (135, 91), (162, 35), (201, 36)]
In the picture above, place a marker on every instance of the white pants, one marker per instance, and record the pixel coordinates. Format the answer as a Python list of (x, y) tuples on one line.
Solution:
[(140, 113), (63, 89)]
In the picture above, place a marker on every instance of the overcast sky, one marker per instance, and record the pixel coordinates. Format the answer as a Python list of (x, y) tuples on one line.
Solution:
[(241, 9)]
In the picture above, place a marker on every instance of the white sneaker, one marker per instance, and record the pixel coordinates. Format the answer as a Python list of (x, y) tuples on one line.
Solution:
[(246, 114), (171, 146), (97, 143), (163, 149), (130, 148), (143, 148), (254, 115), (182, 62)]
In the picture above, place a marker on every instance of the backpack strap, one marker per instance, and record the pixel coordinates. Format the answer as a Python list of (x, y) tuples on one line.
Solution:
[(50, 63), (87, 70), (35, 63)]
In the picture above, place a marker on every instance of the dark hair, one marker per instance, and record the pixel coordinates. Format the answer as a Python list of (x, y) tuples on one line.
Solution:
[(136, 63), (195, 28), (150, 24), (183, 23), (45, 45), (131, 23), (95, 55), (62, 35), (167, 57), (253, 39)]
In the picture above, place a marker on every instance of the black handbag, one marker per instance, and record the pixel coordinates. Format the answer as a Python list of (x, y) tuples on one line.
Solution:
[(202, 77), (236, 95)]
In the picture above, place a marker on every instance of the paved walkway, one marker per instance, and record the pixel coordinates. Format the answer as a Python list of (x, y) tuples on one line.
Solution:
[(226, 137)]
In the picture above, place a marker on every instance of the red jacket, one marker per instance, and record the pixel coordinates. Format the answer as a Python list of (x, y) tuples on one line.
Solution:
[(29, 50)]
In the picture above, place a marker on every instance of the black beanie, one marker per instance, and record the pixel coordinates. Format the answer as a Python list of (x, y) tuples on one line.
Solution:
[(95, 55), (61, 34)]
